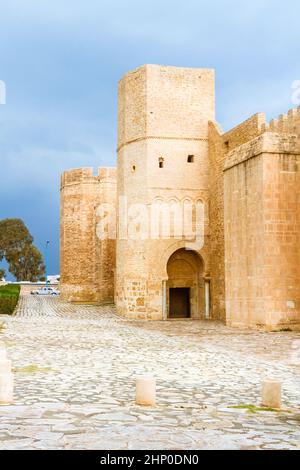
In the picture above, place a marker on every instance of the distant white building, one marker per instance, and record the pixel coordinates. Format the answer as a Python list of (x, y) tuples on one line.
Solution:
[(53, 279)]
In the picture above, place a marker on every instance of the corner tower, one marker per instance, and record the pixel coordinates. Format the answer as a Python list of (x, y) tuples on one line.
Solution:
[(162, 158), (87, 262)]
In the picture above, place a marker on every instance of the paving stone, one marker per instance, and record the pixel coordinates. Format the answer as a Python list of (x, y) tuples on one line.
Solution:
[(114, 417), (75, 369), (48, 436)]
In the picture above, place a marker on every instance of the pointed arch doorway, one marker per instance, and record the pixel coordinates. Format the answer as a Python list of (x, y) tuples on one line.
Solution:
[(185, 288)]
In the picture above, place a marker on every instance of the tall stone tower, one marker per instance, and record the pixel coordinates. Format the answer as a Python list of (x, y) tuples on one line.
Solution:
[(162, 159), (87, 261)]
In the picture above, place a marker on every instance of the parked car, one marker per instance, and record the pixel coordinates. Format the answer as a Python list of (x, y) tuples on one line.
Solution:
[(45, 291)]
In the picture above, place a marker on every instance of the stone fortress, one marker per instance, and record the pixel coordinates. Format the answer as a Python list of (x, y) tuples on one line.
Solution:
[(246, 271)]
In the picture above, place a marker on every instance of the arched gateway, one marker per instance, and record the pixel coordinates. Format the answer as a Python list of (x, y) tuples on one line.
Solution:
[(185, 292)]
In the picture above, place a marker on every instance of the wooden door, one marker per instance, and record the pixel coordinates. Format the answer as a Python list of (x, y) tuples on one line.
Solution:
[(179, 302)]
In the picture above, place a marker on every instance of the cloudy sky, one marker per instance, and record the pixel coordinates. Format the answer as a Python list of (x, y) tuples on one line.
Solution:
[(61, 61)]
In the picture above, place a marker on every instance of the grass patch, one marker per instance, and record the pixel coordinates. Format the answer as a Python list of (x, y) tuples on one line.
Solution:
[(9, 296), (32, 369), (253, 408)]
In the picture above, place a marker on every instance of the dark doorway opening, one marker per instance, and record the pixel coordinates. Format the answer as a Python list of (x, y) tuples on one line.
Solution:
[(179, 302)]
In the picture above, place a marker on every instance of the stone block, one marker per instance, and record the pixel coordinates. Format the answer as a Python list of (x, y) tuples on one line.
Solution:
[(146, 391), (271, 393), (5, 366), (6, 388), (2, 351)]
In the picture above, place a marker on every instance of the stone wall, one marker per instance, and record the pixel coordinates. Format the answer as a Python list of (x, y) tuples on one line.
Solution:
[(216, 217), (87, 262), (220, 144), (262, 231), (171, 152)]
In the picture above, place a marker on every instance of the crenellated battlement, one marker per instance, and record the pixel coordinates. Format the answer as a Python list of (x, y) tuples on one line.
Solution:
[(285, 123), (238, 135), (107, 174), (255, 126), (87, 175), (268, 142)]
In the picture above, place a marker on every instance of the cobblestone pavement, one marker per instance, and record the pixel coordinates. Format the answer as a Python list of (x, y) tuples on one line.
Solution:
[(75, 369)]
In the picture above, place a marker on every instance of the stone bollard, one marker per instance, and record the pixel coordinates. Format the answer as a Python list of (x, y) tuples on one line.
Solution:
[(2, 351), (3, 326), (145, 391), (271, 393), (6, 379), (5, 366)]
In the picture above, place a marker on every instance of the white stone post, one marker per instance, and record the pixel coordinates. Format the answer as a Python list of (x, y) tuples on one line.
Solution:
[(5, 366), (6, 379), (145, 391), (271, 393)]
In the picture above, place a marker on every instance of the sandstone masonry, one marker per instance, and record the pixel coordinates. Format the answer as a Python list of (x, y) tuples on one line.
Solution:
[(171, 151)]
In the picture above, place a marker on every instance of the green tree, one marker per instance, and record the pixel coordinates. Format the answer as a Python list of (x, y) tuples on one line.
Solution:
[(14, 236), (16, 246), (26, 265), (2, 274)]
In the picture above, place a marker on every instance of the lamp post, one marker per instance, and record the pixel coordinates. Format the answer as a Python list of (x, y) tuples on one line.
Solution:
[(46, 262)]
